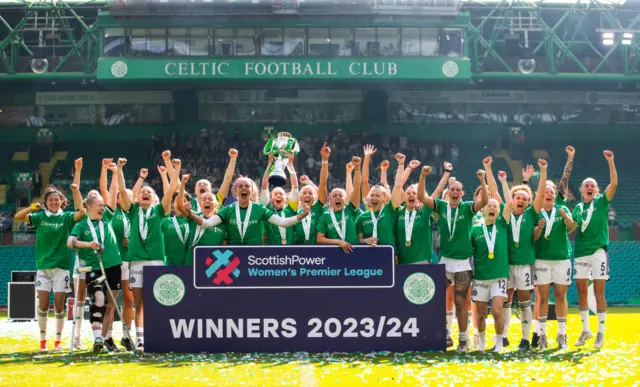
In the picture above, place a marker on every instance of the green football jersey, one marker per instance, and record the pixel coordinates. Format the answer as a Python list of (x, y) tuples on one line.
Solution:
[(175, 249), (485, 266), (524, 252), (596, 234), (386, 224), (52, 232), (214, 236), (253, 234), (326, 226), (317, 209), (555, 246), (458, 245), (421, 246), (152, 249), (274, 238), (120, 224), (110, 254)]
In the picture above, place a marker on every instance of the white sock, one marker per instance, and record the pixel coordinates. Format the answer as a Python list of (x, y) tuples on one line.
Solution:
[(602, 317), (498, 343), (526, 317), (449, 322), (536, 327), (79, 316), (562, 325), (59, 325), (543, 325), (481, 341), (506, 313), (463, 336), (42, 324), (469, 320), (140, 334), (109, 332), (584, 317), (97, 330)]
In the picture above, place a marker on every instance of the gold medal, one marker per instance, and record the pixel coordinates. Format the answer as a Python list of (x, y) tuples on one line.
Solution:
[(516, 244), (284, 241), (491, 256), (407, 243)]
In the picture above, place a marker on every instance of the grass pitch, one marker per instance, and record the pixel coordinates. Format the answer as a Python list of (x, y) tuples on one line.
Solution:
[(618, 363)]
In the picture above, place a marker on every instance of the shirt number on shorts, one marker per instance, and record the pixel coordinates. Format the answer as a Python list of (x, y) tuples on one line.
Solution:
[(527, 279), (502, 284), (66, 282), (569, 275), (603, 268)]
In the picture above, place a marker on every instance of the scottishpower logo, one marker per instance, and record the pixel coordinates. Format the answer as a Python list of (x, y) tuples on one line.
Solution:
[(222, 268), (419, 288)]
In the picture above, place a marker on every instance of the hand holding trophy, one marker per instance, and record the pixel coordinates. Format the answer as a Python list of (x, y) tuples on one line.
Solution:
[(280, 147)]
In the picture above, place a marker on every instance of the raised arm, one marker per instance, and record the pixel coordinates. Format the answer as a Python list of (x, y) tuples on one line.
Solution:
[(482, 201), (294, 195), (349, 179), (423, 196), (508, 205), (290, 221), (563, 187), (325, 152), (413, 164), (23, 214), (180, 199), (384, 167), (264, 188), (162, 170), (77, 203), (369, 151), (493, 186), (443, 180), (112, 196), (78, 170), (610, 191), (304, 179), (168, 196), (166, 156), (397, 195), (135, 191), (122, 187), (223, 192), (542, 184), (357, 180), (104, 177)]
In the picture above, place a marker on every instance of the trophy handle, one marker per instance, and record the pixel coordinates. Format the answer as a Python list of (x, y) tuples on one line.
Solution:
[(268, 146)]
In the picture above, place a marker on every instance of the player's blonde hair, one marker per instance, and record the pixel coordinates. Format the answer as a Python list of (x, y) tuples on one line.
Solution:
[(519, 188)]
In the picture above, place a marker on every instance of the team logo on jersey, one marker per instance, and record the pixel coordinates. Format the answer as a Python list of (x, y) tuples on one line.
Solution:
[(168, 289), (222, 268), (419, 288)]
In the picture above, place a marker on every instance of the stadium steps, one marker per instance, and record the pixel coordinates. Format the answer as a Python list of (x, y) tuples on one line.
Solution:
[(46, 169), (3, 193), (20, 156)]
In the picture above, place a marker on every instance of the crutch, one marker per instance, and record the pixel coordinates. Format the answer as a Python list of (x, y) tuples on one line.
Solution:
[(76, 289), (115, 302)]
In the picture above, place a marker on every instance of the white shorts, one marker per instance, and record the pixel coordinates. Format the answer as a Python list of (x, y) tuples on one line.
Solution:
[(520, 277), (421, 263), (124, 270), (79, 275), (483, 291), (135, 272), (597, 265), (453, 266), (548, 272), (56, 279)]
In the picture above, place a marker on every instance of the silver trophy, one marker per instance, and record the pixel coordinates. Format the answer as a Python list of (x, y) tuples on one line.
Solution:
[(280, 147)]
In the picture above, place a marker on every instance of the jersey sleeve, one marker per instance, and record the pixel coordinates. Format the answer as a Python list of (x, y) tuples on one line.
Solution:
[(391, 211), (267, 213), (159, 209), (426, 216), (224, 213), (77, 230), (220, 199), (36, 218), (360, 224), (69, 219), (438, 205), (468, 208), (108, 214)]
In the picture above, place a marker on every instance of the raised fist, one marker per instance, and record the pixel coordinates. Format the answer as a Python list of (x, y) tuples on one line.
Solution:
[(304, 179), (112, 167), (447, 166), (414, 164), (384, 165), (166, 155), (571, 151), (176, 163), (400, 158), (487, 161), (542, 163), (106, 163), (78, 163), (325, 152), (356, 161), (162, 169), (122, 162), (185, 178), (426, 170), (350, 167), (608, 155), (480, 175), (144, 172), (74, 187), (233, 153), (502, 176)]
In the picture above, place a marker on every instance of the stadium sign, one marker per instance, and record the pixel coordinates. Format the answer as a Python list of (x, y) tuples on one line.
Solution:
[(436, 68), (224, 303)]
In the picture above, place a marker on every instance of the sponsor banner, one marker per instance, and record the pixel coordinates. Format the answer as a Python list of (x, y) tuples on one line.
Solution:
[(487, 96), (258, 267), (103, 97), (410, 316), (262, 96), (501, 96), (284, 68), (608, 98)]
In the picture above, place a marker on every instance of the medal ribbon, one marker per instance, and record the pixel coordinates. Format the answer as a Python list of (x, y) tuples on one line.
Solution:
[(451, 222), (585, 222), (341, 231), (490, 239), (374, 221), (306, 226), (515, 227), (94, 235), (143, 226), (183, 238), (243, 225), (548, 221), (126, 225), (283, 231), (409, 220)]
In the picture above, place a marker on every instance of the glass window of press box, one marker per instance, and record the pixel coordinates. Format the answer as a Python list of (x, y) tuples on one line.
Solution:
[(320, 41)]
